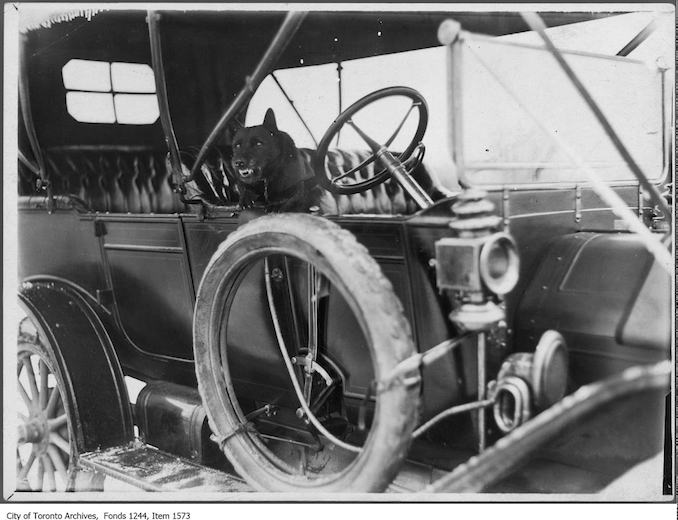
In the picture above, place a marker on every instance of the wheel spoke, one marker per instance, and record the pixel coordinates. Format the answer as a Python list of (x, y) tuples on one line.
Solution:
[(27, 467), (58, 463), (44, 390), (31, 378), (41, 456), (19, 466), (60, 442), (24, 395), (49, 473), (41, 475), (57, 422), (53, 398)]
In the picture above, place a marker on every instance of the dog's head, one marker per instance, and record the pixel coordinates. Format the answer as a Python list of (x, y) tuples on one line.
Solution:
[(260, 151)]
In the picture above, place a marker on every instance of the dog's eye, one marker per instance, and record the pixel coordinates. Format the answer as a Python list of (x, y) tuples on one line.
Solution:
[(258, 143), (236, 145)]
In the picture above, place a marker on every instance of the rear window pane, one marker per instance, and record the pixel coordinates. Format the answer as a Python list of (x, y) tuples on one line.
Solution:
[(136, 109), (90, 107), (87, 75), (132, 77)]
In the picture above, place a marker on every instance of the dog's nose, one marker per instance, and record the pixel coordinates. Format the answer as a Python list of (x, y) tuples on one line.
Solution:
[(240, 164)]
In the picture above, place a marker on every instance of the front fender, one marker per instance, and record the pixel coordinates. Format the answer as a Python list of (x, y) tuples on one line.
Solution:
[(82, 350)]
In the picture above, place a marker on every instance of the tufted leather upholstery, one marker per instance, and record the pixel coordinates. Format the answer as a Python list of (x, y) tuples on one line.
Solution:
[(138, 181), (115, 180), (386, 199)]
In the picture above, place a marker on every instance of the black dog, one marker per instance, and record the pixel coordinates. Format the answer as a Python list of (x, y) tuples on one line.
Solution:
[(271, 171)]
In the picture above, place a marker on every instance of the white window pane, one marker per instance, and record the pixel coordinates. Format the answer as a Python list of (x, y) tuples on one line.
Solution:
[(136, 109), (90, 107), (87, 75), (318, 106), (132, 77), (424, 70)]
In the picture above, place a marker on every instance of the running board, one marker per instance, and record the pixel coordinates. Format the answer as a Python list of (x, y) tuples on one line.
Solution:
[(150, 469)]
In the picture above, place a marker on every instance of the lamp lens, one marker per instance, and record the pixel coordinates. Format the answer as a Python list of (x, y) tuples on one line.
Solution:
[(498, 260)]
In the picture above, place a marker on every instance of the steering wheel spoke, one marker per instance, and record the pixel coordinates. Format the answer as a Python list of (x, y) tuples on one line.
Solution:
[(374, 146), (402, 123), (366, 162)]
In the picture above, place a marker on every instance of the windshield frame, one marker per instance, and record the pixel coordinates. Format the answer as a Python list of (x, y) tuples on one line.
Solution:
[(456, 106)]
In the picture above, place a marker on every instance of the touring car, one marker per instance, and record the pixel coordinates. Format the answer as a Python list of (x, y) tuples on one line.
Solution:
[(509, 333)]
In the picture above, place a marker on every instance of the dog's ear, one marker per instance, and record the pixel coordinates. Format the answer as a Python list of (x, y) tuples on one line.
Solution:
[(269, 121), (288, 150)]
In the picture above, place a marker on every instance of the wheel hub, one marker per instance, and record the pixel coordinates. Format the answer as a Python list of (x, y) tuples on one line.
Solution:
[(34, 430)]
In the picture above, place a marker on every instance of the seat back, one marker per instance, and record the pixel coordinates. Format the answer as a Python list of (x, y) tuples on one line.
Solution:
[(117, 180), (387, 198)]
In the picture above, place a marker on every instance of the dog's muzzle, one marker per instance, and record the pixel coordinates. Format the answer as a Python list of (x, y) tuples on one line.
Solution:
[(245, 172)]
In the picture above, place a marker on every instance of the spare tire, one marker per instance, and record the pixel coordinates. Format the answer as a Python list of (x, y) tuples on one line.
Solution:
[(346, 267)]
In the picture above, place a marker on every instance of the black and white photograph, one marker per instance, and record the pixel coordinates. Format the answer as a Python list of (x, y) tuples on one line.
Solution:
[(338, 253)]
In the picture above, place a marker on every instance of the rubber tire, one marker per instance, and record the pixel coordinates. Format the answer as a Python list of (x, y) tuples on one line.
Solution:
[(79, 479), (370, 295)]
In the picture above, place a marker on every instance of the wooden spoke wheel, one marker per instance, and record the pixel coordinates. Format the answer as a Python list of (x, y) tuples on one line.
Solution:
[(46, 457), (272, 302)]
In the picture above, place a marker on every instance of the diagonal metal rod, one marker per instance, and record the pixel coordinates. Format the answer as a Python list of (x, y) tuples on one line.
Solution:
[(421, 359), (455, 410), (294, 107), (638, 39), (280, 41), (608, 195), (535, 23)]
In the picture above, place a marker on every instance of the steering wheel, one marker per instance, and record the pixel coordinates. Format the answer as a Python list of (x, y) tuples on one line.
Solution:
[(393, 166)]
